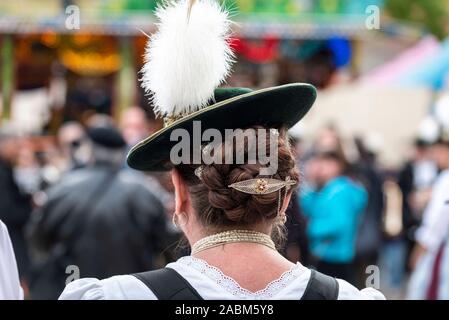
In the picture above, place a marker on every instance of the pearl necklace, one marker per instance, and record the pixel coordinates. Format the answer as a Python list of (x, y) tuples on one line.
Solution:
[(232, 236)]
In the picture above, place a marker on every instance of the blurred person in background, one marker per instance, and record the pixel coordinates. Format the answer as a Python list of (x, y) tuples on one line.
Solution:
[(430, 256), (332, 203), (415, 180), (9, 276), (369, 238), (407, 193), (296, 247), (329, 139), (102, 219), (393, 253), (134, 125), (27, 169), (72, 143), (15, 205)]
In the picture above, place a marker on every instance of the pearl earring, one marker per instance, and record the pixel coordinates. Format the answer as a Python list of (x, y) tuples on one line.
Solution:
[(174, 219)]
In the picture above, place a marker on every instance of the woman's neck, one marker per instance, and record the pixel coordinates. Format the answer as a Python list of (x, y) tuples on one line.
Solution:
[(197, 233), (236, 250), (252, 265)]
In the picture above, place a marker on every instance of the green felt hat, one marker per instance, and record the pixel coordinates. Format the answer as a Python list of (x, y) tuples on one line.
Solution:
[(186, 60), (232, 108)]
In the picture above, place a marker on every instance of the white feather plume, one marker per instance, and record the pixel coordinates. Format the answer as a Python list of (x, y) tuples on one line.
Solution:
[(188, 57)]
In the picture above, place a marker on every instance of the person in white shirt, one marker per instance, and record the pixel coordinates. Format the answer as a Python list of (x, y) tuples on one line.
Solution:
[(430, 257), (10, 288), (230, 211)]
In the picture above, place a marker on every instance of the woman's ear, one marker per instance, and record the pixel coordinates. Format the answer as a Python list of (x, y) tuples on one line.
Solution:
[(181, 195), (286, 202)]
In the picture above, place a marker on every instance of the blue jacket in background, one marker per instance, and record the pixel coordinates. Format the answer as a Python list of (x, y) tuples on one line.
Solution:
[(333, 215)]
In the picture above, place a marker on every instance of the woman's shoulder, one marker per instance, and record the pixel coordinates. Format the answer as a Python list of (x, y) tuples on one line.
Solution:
[(210, 283), (122, 287), (348, 292)]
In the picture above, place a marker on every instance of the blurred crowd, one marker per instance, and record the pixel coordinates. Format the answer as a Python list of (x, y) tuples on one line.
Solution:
[(73, 206)]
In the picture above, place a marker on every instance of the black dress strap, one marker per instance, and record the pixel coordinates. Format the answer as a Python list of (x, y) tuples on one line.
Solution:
[(167, 284), (321, 287)]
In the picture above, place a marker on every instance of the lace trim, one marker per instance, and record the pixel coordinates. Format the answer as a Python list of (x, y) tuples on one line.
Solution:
[(230, 285)]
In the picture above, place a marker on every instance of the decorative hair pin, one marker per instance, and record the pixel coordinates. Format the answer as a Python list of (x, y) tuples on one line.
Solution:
[(262, 185), (256, 186), (199, 172), (259, 186)]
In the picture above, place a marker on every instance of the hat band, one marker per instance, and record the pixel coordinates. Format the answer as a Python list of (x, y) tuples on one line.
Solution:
[(168, 120)]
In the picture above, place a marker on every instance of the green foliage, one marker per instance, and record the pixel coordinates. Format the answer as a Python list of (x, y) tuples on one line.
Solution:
[(432, 14)]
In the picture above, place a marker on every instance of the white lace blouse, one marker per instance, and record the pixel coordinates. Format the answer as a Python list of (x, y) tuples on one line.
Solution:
[(210, 283)]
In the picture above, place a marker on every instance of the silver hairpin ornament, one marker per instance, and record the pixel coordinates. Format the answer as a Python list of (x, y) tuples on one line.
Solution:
[(199, 172), (262, 185), (255, 186), (207, 148)]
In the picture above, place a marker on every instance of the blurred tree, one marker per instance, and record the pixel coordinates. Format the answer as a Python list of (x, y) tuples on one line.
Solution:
[(432, 14)]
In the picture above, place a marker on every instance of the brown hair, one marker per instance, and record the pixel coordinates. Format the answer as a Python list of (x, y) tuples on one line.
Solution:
[(221, 207)]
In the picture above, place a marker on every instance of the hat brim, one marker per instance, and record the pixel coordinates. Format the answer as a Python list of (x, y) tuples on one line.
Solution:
[(273, 107)]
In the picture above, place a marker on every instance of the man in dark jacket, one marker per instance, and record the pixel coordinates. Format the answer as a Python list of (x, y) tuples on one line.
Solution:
[(100, 220)]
